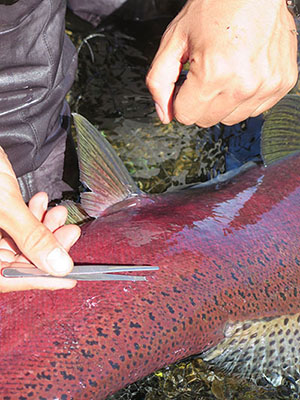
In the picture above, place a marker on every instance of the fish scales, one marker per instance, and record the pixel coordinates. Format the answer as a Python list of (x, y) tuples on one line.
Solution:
[(225, 255)]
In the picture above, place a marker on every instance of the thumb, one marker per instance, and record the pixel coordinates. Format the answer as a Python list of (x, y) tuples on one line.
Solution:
[(164, 72), (34, 239)]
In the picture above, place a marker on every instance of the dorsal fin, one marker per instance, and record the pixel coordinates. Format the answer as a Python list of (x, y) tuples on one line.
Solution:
[(281, 130), (101, 170)]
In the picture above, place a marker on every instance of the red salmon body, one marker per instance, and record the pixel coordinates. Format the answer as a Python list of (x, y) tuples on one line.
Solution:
[(227, 286), (224, 255)]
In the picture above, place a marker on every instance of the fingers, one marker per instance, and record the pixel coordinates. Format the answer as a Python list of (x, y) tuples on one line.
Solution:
[(242, 61), (54, 220), (18, 284), (67, 235), (34, 240), (163, 74), (245, 96), (38, 205)]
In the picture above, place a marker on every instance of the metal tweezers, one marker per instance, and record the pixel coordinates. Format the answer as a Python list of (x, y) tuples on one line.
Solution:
[(85, 272)]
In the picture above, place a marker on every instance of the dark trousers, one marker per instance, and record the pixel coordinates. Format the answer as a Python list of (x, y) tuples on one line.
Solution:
[(38, 64)]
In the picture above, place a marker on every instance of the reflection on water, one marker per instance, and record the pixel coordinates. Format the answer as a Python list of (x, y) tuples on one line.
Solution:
[(110, 91)]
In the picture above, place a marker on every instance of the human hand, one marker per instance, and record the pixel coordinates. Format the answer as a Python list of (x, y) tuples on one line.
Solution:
[(243, 60), (30, 235)]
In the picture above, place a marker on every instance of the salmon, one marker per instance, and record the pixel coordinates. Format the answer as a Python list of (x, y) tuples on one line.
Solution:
[(227, 288)]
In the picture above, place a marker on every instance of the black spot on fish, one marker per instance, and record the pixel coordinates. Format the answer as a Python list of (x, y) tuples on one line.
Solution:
[(43, 376), (91, 342), (122, 358), (49, 387), (151, 316), (67, 377), (260, 262), (196, 278), (170, 309), (93, 383), (165, 294), (282, 295), (280, 276), (266, 258), (281, 263), (134, 325), (113, 350), (32, 385), (147, 300), (234, 276), (114, 365), (116, 329), (249, 261), (87, 354), (175, 290), (250, 281), (192, 301), (100, 333)]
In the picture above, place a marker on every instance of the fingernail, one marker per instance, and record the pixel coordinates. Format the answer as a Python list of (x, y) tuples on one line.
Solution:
[(45, 205), (58, 261), (160, 112)]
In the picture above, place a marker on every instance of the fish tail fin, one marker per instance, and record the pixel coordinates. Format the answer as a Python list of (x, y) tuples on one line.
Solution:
[(281, 130), (101, 170)]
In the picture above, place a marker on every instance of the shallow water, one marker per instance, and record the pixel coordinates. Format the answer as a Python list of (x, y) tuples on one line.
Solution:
[(110, 92)]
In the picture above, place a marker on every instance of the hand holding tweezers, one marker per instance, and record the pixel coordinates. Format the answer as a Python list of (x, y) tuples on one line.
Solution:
[(84, 272)]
